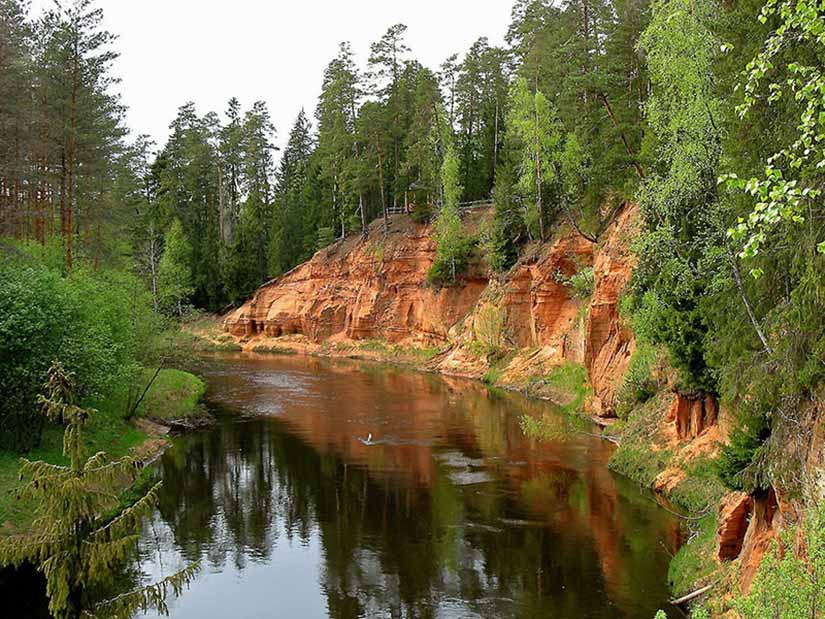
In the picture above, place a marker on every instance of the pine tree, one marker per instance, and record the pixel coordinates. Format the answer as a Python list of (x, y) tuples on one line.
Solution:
[(388, 65), (336, 115), (82, 532), (293, 212), (424, 146), (258, 172)]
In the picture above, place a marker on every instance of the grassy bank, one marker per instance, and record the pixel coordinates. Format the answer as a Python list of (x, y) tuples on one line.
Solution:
[(174, 395), (643, 455)]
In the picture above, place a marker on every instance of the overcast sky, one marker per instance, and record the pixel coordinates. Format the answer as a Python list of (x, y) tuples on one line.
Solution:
[(206, 51)]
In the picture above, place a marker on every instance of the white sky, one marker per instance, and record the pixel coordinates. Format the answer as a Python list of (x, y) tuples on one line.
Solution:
[(206, 51)]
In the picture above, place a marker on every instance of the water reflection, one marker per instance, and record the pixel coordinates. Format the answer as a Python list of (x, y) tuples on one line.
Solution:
[(454, 513)]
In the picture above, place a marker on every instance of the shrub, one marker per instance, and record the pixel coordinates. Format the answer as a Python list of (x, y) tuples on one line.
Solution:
[(739, 454), (421, 213), (581, 284), (489, 329), (639, 383), (92, 322), (325, 237), (450, 263)]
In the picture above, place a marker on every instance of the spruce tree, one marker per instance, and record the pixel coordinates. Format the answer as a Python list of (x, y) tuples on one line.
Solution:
[(453, 247), (82, 532)]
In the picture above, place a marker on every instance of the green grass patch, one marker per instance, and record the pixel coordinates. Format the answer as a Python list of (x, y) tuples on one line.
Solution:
[(374, 346), (398, 352), (492, 376), (566, 385), (694, 562), (701, 488), (174, 394), (184, 340), (273, 350), (107, 431), (636, 458)]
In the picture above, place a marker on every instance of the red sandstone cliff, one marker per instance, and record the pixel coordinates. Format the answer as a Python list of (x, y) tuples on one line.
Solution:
[(377, 289), (358, 290), (608, 341)]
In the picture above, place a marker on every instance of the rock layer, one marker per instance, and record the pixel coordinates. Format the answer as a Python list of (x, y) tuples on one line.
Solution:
[(692, 415), (610, 342)]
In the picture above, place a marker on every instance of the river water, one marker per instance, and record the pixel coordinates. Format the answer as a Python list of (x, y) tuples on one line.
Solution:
[(451, 512)]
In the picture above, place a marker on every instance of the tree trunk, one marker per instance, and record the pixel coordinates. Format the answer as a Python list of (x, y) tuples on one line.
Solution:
[(63, 218), (539, 205), (365, 231), (495, 148), (738, 279), (383, 197), (615, 122), (153, 266), (70, 188)]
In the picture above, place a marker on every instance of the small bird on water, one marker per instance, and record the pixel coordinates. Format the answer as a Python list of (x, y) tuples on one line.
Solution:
[(367, 441)]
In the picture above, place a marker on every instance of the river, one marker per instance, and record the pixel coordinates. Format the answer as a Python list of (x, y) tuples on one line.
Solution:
[(451, 512)]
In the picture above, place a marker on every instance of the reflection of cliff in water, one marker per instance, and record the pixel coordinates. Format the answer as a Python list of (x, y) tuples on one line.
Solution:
[(455, 513)]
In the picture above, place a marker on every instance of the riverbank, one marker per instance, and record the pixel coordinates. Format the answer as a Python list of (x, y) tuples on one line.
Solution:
[(172, 402)]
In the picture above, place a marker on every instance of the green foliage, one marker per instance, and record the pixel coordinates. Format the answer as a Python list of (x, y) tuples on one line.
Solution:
[(679, 199), (537, 131), (739, 453), (97, 321), (71, 541), (791, 182), (581, 283), (638, 383), (504, 234), (488, 329), (788, 584), (421, 213), (635, 458), (173, 394), (174, 273), (567, 385), (453, 247), (325, 238), (701, 489), (492, 376)]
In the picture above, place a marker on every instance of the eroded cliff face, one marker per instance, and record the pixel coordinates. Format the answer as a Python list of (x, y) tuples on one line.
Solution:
[(360, 290), (376, 289), (609, 342)]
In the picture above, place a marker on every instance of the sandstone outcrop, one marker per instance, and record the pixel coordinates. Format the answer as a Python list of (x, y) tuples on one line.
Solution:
[(734, 518), (376, 289), (609, 342), (692, 415), (360, 290)]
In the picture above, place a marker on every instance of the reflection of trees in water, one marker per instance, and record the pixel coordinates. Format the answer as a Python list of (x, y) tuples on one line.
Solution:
[(404, 548)]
